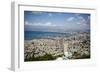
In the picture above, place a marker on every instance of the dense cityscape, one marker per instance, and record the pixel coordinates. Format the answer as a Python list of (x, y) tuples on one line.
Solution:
[(77, 47)]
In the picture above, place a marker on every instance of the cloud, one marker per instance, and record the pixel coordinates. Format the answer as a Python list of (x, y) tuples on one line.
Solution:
[(50, 14), (70, 19), (45, 28), (79, 21), (80, 18), (82, 21), (50, 24), (27, 23), (43, 24)]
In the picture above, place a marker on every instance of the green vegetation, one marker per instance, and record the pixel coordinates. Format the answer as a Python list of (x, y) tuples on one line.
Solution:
[(77, 55), (42, 58)]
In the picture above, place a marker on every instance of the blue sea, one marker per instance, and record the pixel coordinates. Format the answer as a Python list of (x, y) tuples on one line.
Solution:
[(29, 35)]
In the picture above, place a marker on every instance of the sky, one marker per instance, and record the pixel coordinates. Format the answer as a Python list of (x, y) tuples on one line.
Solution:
[(55, 21)]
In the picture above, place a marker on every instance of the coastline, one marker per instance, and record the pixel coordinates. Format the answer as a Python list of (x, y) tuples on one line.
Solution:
[(77, 46)]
